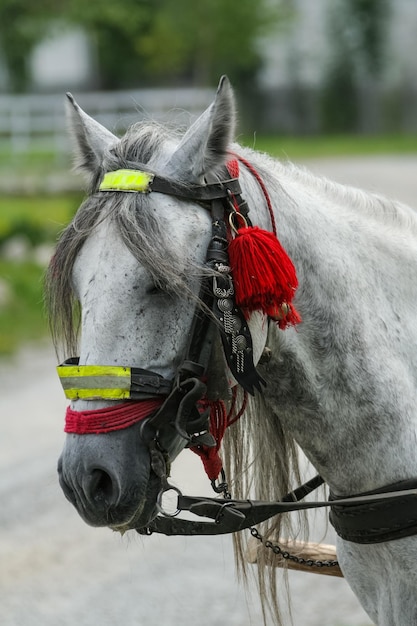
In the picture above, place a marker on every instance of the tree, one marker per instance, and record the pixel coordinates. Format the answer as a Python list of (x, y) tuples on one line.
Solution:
[(22, 25), (115, 28), (175, 40), (145, 41), (206, 38), (356, 32), (368, 19)]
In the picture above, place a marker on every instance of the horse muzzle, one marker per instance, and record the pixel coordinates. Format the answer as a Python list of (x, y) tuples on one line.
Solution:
[(108, 478), (115, 478)]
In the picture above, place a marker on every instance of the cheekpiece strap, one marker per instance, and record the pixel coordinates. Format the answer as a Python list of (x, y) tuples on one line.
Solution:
[(236, 336), (235, 332)]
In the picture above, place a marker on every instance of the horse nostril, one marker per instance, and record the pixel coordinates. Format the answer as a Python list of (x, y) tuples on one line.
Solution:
[(65, 486), (101, 487)]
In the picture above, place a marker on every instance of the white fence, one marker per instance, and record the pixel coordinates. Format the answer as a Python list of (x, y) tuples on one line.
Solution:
[(37, 122)]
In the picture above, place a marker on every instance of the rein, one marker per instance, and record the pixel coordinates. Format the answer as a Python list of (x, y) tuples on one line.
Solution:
[(377, 516), (235, 515)]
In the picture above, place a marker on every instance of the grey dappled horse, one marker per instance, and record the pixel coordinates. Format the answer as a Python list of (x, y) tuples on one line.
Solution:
[(341, 384)]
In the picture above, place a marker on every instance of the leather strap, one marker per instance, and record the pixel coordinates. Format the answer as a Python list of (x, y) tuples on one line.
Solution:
[(202, 193), (235, 515), (378, 521)]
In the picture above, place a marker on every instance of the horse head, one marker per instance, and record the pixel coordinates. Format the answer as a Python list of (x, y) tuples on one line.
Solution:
[(133, 262)]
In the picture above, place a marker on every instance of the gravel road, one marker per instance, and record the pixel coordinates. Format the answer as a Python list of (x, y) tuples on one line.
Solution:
[(56, 571)]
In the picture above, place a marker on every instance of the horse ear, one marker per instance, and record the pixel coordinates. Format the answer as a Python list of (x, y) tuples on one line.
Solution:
[(204, 146), (91, 139)]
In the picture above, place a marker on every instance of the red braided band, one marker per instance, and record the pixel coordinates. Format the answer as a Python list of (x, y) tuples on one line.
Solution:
[(109, 419)]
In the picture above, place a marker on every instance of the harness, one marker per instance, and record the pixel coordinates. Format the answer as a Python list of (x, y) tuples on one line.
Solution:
[(373, 517)]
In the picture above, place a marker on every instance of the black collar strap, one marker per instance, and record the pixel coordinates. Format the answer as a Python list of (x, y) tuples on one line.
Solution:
[(381, 520)]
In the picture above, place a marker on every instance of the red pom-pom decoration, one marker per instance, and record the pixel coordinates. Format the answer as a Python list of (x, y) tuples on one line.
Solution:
[(263, 274)]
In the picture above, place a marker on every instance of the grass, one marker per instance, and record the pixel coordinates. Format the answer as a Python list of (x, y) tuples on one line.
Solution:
[(23, 318), (39, 220), (293, 148), (278, 145), (32, 159)]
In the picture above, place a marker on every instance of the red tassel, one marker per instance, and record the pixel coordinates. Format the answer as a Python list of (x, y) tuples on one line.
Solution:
[(263, 274), (218, 423)]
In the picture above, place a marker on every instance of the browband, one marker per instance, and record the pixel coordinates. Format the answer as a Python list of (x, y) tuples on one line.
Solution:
[(138, 181)]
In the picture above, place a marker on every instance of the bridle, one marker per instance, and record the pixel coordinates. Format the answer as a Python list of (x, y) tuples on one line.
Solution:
[(217, 311), (372, 517)]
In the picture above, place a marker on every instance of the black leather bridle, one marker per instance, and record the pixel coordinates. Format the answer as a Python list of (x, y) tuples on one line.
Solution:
[(377, 516), (217, 308), (372, 517)]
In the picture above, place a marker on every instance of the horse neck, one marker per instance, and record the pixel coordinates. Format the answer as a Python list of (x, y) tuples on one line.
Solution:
[(343, 382)]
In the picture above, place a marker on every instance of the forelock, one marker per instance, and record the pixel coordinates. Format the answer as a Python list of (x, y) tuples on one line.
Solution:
[(145, 143)]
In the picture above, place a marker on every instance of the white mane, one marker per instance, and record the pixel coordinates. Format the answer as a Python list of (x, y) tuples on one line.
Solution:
[(375, 206)]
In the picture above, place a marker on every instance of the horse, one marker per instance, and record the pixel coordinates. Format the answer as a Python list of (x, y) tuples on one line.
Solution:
[(331, 367)]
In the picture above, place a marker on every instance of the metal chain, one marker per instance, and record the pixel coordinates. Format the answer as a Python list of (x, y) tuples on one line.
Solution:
[(276, 549)]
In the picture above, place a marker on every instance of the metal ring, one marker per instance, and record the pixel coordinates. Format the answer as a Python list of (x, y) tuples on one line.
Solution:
[(219, 514), (159, 501), (235, 227)]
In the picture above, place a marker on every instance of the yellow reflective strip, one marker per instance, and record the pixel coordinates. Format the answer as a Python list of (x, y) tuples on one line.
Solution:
[(127, 180), (96, 382), (96, 394), (78, 371)]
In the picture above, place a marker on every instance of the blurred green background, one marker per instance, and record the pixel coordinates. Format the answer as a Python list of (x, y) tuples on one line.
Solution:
[(329, 78)]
